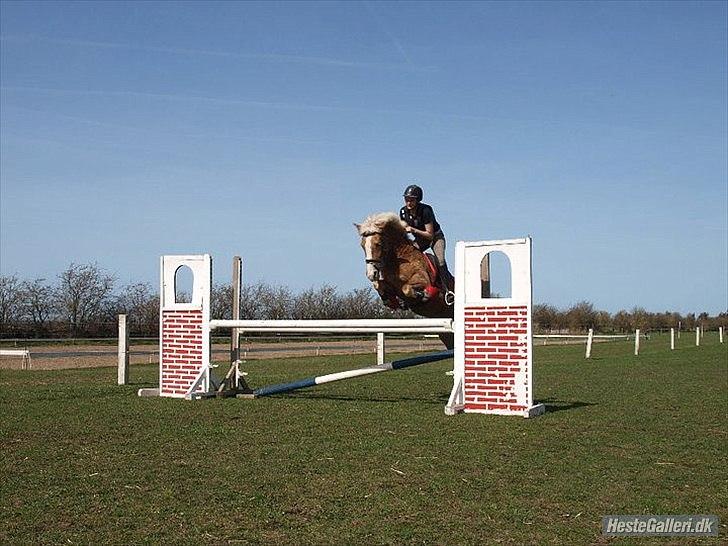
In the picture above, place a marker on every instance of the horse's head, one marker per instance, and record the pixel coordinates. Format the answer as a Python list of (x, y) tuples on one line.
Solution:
[(371, 242), (376, 233)]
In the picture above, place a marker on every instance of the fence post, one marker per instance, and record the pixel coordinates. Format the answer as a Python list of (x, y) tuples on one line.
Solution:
[(637, 342), (720, 333), (697, 336), (235, 333), (589, 343), (672, 339), (380, 348), (123, 360)]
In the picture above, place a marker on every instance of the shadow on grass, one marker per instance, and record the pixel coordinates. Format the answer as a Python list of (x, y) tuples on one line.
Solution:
[(150, 384), (359, 399), (553, 404)]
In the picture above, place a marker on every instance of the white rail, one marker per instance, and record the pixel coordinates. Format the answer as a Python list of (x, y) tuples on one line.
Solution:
[(23, 353), (581, 336), (343, 326)]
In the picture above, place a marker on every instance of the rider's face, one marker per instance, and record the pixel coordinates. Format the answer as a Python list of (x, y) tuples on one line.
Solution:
[(410, 203)]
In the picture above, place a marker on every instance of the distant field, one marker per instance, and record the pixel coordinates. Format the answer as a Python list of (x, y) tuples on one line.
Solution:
[(368, 461)]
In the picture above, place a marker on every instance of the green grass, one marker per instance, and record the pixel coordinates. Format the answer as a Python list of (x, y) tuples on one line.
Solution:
[(368, 461)]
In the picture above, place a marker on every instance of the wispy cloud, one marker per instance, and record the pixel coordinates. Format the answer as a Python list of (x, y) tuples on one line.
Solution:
[(392, 37), (240, 102), (158, 130), (271, 57), (516, 123), (176, 97)]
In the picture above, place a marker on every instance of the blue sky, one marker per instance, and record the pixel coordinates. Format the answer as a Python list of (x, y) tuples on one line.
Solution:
[(131, 130)]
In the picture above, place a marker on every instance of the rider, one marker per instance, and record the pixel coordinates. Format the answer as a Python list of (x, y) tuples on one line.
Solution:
[(421, 222)]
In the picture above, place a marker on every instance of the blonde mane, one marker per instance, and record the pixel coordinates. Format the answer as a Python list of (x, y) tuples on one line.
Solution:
[(381, 222)]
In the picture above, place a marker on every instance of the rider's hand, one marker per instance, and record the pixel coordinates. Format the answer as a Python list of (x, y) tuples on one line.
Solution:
[(408, 229)]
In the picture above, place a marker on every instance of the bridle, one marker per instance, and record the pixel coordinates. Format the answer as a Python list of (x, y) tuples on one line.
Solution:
[(374, 262)]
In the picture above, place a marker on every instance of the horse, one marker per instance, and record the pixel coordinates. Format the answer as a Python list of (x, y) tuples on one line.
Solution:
[(402, 275)]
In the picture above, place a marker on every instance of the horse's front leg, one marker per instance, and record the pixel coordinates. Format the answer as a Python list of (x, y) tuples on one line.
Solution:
[(417, 287), (415, 292), (387, 295)]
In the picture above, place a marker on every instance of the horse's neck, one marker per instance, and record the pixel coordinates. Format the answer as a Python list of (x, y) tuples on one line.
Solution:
[(405, 249)]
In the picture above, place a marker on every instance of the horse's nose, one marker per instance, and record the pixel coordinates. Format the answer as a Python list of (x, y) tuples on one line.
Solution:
[(372, 273)]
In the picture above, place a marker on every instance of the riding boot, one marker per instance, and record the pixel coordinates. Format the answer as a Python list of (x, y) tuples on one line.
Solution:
[(446, 279), (449, 279)]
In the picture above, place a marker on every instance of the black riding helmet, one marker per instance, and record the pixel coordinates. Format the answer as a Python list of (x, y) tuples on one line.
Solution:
[(413, 190)]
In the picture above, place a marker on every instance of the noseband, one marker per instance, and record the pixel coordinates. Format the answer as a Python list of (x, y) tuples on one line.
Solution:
[(377, 263)]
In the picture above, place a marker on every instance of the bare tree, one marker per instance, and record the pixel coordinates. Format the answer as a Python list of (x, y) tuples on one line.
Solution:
[(39, 304), (11, 309), (318, 303), (703, 319), (603, 322), (276, 302), (221, 301), (83, 292), (581, 316), (361, 303), (622, 321), (305, 305), (640, 319), (251, 301), (140, 303), (544, 317)]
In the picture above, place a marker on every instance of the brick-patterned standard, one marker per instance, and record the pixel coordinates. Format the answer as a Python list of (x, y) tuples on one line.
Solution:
[(182, 350), (496, 357)]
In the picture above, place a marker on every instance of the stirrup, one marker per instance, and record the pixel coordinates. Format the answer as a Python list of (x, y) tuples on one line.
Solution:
[(449, 297)]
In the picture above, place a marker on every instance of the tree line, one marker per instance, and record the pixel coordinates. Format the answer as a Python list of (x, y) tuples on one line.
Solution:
[(84, 301)]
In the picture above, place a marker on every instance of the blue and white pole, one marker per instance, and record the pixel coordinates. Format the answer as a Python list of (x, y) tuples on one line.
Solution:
[(329, 378)]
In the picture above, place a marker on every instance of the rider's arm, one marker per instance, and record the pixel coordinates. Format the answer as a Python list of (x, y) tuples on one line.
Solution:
[(428, 233)]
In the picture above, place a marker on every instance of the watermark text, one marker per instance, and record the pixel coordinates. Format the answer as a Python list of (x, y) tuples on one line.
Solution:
[(682, 525)]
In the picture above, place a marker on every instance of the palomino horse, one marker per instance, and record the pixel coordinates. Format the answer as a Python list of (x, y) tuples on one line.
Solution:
[(399, 272)]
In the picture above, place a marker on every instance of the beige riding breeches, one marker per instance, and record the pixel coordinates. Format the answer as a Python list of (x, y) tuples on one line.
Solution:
[(438, 248)]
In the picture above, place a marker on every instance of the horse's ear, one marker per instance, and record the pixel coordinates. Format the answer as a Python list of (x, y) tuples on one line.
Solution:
[(358, 227)]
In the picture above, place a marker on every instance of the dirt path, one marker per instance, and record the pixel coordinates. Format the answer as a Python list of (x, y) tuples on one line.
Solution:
[(58, 357)]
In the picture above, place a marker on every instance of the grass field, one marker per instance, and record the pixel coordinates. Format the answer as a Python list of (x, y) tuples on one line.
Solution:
[(368, 461)]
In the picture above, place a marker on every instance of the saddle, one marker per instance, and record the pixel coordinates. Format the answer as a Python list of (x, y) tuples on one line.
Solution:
[(436, 280), (437, 276)]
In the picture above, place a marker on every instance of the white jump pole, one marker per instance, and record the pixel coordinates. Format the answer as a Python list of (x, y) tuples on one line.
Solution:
[(637, 342), (380, 348), (589, 343), (122, 377), (361, 326), (672, 339), (697, 336), (720, 333)]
